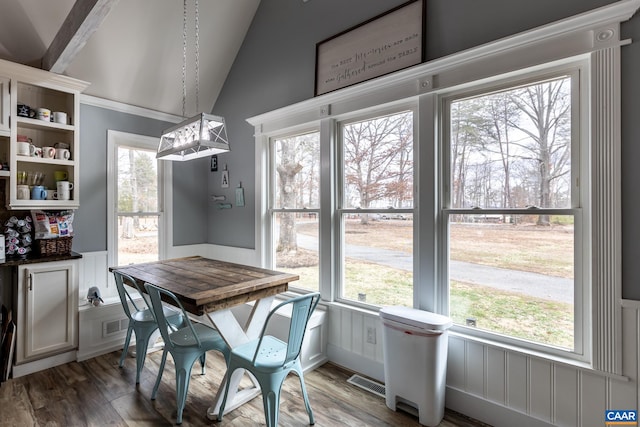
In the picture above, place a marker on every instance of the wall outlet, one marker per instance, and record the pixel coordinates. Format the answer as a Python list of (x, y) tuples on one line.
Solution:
[(371, 335)]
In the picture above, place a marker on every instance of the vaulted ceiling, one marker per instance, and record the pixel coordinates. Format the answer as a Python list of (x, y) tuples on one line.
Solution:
[(130, 51)]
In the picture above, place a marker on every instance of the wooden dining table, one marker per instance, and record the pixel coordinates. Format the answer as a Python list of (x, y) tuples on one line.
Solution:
[(209, 288)]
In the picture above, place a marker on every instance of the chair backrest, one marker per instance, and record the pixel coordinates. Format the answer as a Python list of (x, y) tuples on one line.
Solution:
[(302, 308), (125, 297), (156, 295)]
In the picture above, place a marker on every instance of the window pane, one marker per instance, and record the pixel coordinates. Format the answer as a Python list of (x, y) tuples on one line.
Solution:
[(297, 246), (514, 277), (378, 259), (137, 239), (297, 171), (512, 149), (137, 191), (137, 180), (378, 162)]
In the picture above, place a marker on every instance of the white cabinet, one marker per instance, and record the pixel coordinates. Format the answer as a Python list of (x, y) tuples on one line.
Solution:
[(4, 106), (37, 88), (47, 306)]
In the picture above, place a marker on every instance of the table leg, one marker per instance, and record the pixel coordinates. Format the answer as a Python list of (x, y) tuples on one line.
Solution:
[(235, 335)]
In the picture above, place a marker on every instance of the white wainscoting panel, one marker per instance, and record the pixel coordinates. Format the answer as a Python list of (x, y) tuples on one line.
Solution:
[(517, 382), (501, 386), (496, 376), (94, 271), (474, 369)]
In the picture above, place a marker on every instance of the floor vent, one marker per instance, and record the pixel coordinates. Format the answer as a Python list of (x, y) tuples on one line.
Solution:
[(367, 384)]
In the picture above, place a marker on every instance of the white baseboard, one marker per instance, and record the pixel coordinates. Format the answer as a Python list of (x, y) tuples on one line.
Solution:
[(488, 412), (467, 404), (45, 363)]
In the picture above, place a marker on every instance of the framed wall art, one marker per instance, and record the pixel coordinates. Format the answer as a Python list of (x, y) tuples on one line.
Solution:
[(386, 43)]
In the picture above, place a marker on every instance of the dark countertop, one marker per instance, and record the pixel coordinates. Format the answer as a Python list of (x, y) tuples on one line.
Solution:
[(14, 262)]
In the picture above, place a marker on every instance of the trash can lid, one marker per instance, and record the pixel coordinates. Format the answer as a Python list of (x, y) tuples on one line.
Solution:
[(416, 318)]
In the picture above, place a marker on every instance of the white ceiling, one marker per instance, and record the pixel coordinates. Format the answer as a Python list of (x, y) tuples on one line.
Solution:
[(135, 55)]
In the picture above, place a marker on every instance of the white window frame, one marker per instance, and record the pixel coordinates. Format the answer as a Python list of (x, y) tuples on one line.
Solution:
[(580, 199), (339, 198), (594, 36), (165, 194)]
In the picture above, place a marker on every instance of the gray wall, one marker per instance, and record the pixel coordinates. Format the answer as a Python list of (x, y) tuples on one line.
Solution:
[(275, 68), (90, 221)]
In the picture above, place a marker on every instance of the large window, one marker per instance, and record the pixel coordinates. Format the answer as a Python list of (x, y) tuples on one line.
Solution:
[(512, 207), (506, 202), (376, 210)]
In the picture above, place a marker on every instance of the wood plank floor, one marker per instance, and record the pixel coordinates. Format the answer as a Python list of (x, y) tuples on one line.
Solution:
[(97, 393)]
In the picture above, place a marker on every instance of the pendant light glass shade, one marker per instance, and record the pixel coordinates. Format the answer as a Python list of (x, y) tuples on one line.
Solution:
[(200, 136)]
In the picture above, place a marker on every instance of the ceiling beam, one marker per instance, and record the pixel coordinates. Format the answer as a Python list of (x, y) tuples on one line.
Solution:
[(83, 20)]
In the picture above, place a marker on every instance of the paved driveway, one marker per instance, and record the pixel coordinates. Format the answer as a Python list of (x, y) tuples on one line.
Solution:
[(534, 284)]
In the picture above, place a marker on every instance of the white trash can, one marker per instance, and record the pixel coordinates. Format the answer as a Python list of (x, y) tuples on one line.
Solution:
[(415, 346)]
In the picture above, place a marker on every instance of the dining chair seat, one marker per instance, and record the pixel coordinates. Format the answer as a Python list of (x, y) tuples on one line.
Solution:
[(186, 345), (270, 360), (141, 320)]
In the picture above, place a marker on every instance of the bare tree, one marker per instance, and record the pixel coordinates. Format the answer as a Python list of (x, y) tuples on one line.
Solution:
[(377, 153), (546, 109)]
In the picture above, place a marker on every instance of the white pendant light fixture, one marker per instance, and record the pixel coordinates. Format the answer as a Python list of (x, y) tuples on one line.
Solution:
[(199, 136)]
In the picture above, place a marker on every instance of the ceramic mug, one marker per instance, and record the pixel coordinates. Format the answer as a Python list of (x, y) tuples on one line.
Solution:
[(38, 192), (36, 152), (26, 148), (64, 190), (51, 195), (25, 111), (43, 114), (60, 175), (63, 154), (48, 152), (60, 117), (23, 192)]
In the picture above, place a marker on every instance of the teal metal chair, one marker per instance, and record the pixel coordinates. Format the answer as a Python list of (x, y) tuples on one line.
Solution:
[(141, 321), (185, 345), (270, 360)]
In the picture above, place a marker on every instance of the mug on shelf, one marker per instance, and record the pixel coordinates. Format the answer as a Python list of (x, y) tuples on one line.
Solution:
[(63, 190), (38, 192), (51, 195), (23, 192), (43, 114), (48, 152), (26, 148), (63, 154), (60, 175), (60, 117), (25, 111), (37, 151)]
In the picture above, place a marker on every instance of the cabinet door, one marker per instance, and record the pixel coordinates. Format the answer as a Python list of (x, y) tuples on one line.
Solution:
[(48, 310), (4, 104)]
